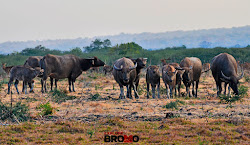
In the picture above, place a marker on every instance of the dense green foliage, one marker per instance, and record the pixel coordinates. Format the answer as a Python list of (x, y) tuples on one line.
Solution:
[(19, 111), (102, 50), (47, 109)]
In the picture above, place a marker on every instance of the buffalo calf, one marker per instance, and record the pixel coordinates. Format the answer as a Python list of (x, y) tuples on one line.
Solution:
[(153, 78), (25, 74), (169, 78)]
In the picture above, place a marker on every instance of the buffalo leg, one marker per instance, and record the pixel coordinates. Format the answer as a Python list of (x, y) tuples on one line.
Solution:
[(31, 85), (56, 83), (129, 91), (158, 89), (228, 90), (153, 90), (16, 83), (69, 79), (188, 91), (167, 90), (9, 85), (122, 92), (175, 90), (73, 87), (25, 86), (197, 85), (135, 89), (171, 88), (148, 90), (219, 89), (225, 88), (179, 90), (51, 83), (193, 89), (136, 93)]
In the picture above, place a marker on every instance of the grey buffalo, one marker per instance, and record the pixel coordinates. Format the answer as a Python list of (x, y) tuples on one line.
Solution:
[(25, 74), (124, 73)]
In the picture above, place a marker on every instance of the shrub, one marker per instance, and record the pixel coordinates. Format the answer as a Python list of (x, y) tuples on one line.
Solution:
[(19, 110), (247, 78), (47, 109), (59, 96), (234, 98), (173, 104), (94, 97)]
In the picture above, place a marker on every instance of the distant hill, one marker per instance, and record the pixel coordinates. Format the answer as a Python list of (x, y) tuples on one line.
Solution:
[(220, 37)]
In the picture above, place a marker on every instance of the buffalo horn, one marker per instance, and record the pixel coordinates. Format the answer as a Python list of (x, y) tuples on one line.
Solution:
[(225, 77)]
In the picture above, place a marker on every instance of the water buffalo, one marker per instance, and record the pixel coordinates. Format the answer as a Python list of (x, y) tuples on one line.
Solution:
[(192, 73), (224, 69), (26, 74), (169, 78), (153, 78), (205, 68), (124, 73), (141, 63), (34, 61), (107, 69), (67, 66), (178, 77)]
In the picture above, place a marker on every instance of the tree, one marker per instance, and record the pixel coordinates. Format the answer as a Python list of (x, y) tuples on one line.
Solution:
[(97, 44), (106, 43), (205, 44), (127, 48), (76, 51)]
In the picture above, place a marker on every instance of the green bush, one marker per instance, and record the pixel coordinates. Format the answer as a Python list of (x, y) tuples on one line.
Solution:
[(47, 109), (174, 104), (229, 99), (247, 78), (95, 97), (19, 110), (59, 96)]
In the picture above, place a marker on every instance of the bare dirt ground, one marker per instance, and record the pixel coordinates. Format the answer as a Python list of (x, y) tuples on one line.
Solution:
[(202, 120)]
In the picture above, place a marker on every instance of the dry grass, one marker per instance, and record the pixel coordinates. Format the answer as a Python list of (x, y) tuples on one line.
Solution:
[(84, 119)]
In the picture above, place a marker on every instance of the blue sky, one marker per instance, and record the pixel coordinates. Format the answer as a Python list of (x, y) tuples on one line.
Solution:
[(22, 20)]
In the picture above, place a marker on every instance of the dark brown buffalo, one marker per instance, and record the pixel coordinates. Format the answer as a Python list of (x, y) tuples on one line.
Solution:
[(205, 68), (153, 78), (141, 63), (124, 73), (107, 69), (224, 69), (25, 74), (67, 66), (169, 78), (192, 73)]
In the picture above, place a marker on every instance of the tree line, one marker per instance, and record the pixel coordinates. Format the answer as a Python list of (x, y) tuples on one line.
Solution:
[(108, 53)]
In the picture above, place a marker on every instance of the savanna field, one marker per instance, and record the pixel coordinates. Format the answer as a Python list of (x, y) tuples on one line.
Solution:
[(85, 116)]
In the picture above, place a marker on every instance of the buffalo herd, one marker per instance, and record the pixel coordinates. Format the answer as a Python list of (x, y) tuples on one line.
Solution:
[(126, 72)]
